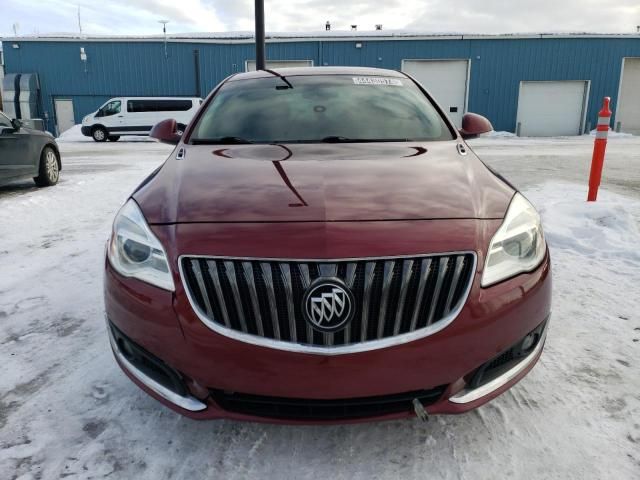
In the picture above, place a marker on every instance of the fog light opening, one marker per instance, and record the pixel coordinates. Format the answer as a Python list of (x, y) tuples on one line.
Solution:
[(529, 342)]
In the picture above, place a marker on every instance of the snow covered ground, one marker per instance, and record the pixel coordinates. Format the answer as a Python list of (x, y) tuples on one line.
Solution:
[(66, 410)]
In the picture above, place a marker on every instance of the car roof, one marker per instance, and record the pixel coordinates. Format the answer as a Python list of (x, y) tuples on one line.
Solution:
[(318, 71)]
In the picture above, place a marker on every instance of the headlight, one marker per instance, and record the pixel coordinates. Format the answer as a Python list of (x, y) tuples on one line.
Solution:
[(134, 251), (518, 245)]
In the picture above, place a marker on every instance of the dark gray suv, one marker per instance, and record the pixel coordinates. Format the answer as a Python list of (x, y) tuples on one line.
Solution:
[(27, 153)]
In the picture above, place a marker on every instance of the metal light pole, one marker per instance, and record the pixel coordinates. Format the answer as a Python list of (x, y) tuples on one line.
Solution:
[(260, 56), (164, 31)]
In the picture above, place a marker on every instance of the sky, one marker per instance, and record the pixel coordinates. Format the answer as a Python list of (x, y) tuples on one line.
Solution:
[(140, 17)]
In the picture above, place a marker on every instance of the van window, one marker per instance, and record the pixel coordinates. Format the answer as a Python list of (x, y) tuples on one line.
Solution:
[(110, 108), (151, 105)]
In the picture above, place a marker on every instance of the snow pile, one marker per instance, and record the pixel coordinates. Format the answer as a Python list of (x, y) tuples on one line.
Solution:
[(499, 134), (74, 134), (605, 230), (613, 134)]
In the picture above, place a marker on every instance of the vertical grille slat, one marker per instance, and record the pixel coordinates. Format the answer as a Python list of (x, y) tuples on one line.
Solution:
[(203, 289), (233, 281), (386, 285), (306, 281), (264, 298), (369, 272), (286, 275), (442, 272), (253, 292), (271, 297), (425, 268), (215, 277), (454, 283), (350, 281), (407, 267)]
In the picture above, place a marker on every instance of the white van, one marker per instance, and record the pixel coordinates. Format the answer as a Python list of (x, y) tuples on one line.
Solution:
[(137, 116)]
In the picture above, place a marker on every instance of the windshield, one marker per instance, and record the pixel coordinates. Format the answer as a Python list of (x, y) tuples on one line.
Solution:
[(322, 108)]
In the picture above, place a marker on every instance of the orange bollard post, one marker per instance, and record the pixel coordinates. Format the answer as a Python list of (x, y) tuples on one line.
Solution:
[(599, 147)]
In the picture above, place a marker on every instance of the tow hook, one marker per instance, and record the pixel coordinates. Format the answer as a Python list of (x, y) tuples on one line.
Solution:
[(421, 413)]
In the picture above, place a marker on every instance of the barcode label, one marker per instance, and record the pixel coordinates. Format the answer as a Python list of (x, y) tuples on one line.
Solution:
[(377, 81)]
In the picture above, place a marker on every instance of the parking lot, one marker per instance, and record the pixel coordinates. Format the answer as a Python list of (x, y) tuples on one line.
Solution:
[(66, 410)]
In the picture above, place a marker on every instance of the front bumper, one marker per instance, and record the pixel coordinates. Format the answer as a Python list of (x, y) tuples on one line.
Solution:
[(85, 130), (492, 321)]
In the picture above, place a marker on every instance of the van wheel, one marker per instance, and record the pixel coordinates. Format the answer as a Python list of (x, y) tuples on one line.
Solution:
[(113, 138), (99, 134), (49, 170), (180, 128)]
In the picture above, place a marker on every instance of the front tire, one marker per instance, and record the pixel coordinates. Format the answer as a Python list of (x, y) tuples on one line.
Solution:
[(113, 138), (49, 170), (99, 134)]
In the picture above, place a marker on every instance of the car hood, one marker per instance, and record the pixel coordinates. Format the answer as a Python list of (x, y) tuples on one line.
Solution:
[(322, 182)]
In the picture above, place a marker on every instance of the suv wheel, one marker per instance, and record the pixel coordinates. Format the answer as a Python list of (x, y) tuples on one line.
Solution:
[(49, 171), (99, 134)]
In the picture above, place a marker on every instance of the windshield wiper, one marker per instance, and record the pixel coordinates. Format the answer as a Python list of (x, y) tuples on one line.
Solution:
[(339, 139), (221, 141), (282, 77)]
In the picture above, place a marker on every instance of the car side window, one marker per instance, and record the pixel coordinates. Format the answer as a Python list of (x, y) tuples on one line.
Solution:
[(112, 108)]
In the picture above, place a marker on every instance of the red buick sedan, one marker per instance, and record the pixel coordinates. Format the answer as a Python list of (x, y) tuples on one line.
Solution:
[(323, 246)]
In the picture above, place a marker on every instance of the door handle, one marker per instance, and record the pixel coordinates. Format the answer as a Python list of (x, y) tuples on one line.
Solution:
[(120, 116)]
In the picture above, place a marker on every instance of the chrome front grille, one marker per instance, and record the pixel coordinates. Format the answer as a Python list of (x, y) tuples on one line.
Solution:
[(260, 300)]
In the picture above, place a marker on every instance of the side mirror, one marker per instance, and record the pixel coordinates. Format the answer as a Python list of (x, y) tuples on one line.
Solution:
[(474, 124), (16, 124), (166, 132)]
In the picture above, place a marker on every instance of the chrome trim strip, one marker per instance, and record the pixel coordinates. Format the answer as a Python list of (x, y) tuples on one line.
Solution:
[(335, 350), (331, 260), (188, 403), (466, 396)]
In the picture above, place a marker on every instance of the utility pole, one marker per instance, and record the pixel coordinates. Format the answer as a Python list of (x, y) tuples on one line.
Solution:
[(260, 55), (79, 21)]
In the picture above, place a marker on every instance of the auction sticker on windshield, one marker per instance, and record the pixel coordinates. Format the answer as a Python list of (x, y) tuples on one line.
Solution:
[(377, 81)]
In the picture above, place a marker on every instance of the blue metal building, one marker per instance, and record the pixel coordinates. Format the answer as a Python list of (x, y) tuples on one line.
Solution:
[(507, 78)]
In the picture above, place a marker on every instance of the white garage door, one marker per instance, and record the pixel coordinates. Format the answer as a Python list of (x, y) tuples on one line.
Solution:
[(548, 109), (628, 114), (251, 64), (64, 114), (446, 80)]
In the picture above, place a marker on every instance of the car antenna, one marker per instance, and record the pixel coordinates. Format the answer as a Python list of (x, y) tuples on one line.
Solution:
[(284, 79)]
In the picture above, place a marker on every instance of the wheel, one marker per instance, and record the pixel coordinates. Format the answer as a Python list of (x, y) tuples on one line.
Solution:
[(113, 138), (99, 134), (49, 171), (180, 128)]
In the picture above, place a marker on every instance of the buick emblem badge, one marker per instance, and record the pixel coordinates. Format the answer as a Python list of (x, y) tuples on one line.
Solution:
[(328, 305)]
